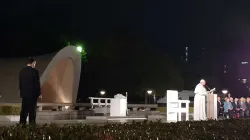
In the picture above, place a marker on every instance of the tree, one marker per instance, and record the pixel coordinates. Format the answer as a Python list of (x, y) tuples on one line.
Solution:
[(121, 64), (160, 74)]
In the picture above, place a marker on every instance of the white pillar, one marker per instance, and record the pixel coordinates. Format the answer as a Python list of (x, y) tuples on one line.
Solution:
[(187, 113)]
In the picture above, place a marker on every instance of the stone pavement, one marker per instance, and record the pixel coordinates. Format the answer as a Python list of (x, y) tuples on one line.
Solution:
[(97, 120), (69, 122)]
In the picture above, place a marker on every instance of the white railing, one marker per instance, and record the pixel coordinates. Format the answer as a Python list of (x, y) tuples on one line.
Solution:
[(99, 101)]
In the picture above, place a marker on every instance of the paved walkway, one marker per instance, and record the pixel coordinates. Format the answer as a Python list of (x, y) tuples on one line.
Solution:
[(66, 122), (97, 120)]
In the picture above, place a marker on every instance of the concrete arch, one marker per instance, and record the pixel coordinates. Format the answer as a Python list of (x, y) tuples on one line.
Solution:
[(64, 65), (60, 80)]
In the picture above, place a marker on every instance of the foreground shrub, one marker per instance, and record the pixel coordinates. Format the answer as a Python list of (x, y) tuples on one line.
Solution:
[(10, 110), (202, 130)]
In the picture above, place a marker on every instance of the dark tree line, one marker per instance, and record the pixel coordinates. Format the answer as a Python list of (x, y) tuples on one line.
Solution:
[(128, 64)]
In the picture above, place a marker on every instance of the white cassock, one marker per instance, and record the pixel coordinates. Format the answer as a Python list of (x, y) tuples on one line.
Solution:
[(199, 102)]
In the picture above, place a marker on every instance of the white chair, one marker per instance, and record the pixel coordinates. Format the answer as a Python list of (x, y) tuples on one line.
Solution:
[(174, 107)]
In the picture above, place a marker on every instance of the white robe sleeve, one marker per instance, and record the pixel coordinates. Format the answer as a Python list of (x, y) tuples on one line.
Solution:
[(200, 90)]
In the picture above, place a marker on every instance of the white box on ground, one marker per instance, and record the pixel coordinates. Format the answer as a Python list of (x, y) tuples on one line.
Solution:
[(118, 107)]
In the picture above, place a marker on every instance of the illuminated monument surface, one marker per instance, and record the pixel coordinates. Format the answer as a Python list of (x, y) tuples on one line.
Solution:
[(60, 76)]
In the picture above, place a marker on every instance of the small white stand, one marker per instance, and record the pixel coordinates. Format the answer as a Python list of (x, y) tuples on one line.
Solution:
[(118, 107)]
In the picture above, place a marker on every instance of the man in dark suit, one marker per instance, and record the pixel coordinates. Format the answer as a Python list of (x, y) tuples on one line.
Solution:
[(219, 107), (236, 106), (248, 108), (30, 91)]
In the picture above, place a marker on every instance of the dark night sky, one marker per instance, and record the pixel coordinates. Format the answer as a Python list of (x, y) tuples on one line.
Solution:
[(167, 24), (38, 27)]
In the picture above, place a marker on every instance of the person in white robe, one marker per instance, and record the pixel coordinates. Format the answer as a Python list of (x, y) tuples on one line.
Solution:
[(199, 101)]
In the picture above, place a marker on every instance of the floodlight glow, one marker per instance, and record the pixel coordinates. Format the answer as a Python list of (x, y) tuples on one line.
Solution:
[(149, 92), (79, 49), (224, 91), (102, 92)]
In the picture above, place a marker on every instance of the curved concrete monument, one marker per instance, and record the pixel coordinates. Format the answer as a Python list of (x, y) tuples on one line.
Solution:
[(60, 80), (60, 76)]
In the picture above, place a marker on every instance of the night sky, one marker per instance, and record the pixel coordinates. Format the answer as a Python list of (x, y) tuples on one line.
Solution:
[(165, 24), (163, 28)]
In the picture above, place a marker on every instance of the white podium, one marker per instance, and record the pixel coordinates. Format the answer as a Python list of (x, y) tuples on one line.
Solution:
[(212, 106), (118, 107)]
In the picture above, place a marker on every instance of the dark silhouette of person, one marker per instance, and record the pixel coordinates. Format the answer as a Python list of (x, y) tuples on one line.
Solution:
[(220, 106), (30, 91)]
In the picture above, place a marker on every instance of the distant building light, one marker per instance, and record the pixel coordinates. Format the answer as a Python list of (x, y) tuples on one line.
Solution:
[(186, 60), (244, 63), (225, 71), (244, 81), (186, 48), (225, 66)]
